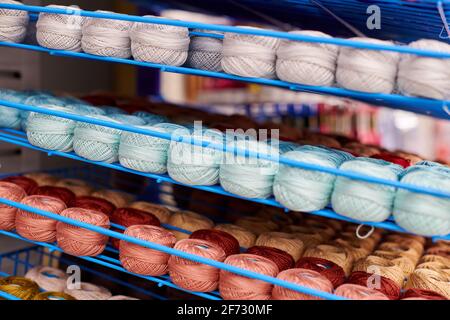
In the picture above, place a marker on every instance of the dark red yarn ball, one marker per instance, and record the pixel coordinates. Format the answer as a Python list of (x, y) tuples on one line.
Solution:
[(387, 286), (226, 241), (29, 185), (64, 194), (422, 293), (327, 268), (282, 259), (94, 203), (392, 158)]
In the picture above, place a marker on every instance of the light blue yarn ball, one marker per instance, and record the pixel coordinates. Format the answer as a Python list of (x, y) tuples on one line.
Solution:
[(39, 100), (307, 190), (85, 109), (150, 118), (420, 213), (95, 142), (10, 117), (283, 146), (113, 110), (127, 119), (362, 200), (146, 153), (246, 176), (194, 164)]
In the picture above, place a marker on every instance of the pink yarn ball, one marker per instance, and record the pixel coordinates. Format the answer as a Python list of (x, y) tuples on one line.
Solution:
[(14, 193), (357, 292)]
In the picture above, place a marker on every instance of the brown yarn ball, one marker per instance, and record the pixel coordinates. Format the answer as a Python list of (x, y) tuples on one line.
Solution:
[(189, 221), (404, 249), (398, 259), (282, 259), (382, 284), (429, 280), (20, 287), (283, 241), (356, 250), (310, 237), (42, 179), (256, 225), (435, 258), (323, 229), (161, 212), (77, 186), (227, 242), (118, 198), (338, 255), (382, 267), (245, 238)]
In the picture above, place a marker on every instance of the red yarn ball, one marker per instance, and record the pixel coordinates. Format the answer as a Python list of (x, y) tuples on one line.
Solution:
[(29, 185), (387, 286), (405, 163), (226, 241), (94, 203), (422, 293), (327, 268), (64, 194), (282, 259)]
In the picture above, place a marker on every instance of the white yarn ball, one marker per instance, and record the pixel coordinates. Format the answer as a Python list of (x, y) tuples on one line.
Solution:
[(307, 62), (248, 55), (13, 23), (48, 278), (60, 31), (424, 76), (205, 53), (367, 70), (159, 43)]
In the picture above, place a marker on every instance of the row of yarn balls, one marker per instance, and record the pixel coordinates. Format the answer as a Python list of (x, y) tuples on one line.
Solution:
[(295, 188), (325, 253), (246, 55)]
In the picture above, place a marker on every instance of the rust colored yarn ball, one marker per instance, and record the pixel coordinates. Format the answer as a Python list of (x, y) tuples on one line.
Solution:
[(386, 286), (226, 241), (142, 260), (422, 293), (357, 292), (42, 179), (327, 268), (94, 203), (77, 186), (29, 185), (36, 227), (302, 277), (235, 287), (14, 193), (282, 259), (79, 241), (118, 198), (390, 157), (192, 275), (64, 194)]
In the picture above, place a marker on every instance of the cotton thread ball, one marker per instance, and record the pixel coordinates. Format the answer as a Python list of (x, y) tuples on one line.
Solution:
[(403, 250), (430, 280), (42, 100), (425, 76), (235, 287), (20, 287), (249, 55), (118, 198), (78, 187), (327, 268), (159, 211), (189, 221), (307, 62), (142, 260), (48, 278), (256, 225), (151, 118), (282, 259), (77, 241), (84, 109), (94, 203), (356, 250), (386, 156), (362, 200), (42, 179), (13, 23), (60, 31), (36, 227), (195, 276), (357, 292), (14, 193), (205, 53), (227, 242), (335, 254), (89, 291), (106, 37), (10, 117), (27, 184), (382, 284), (245, 237), (423, 294), (283, 241), (63, 194), (310, 237), (158, 43), (127, 119), (325, 229)]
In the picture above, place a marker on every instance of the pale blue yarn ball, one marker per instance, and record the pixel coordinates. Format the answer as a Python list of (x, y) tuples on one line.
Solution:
[(146, 153), (283, 146), (127, 119), (363, 200), (39, 100), (113, 110), (420, 213), (196, 165), (150, 118), (86, 109), (307, 190), (10, 117)]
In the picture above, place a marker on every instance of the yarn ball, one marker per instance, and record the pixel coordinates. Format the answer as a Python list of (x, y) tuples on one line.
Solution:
[(89, 291), (386, 156), (189, 221), (77, 186), (386, 286), (14, 193), (357, 292), (10, 117), (118, 198), (20, 287), (307, 62), (42, 179), (48, 278), (13, 25), (422, 293), (161, 212), (127, 119), (326, 230), (236, 287), (367, 70), (256, 225), (335, 254), (282, 259), (430, 280), (205, 53), (142, 260), (36, 227), (362, 200), (309, 236), (191, 275), (245, 237), (303, 277), (151, 118), (79, 241), (284, 241), (42, 100), (64, 194), (94, 203), (27, 184), (227, 242), (327, 268)]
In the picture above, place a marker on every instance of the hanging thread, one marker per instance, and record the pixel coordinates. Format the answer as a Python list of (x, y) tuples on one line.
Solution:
[(13, 23), (14, 193), (281, 258)]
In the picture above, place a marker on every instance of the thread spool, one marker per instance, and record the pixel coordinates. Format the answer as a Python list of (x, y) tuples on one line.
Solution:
[(256, 225), (53, 296), (425, 76), (430, 280), (357, 292), (367, 70), (326, 268), (48, 278), (19, 287), (78, 187), (245, 237), (94, 203), (10, 117), (42, 179), (338, 255), (307, 62), (27, 184), (380, 283), (306, 190), (117, 198), (106, 37), (13, 25), (63, 194), (162, 213), (78, 241), (60, 31), (205, 53), (362, 200), (158, 43), (227, 242), (236, 287), (249, 55), (422, 294), (190, 221), (282, 259), (89, 291), (195, 276), (14, 193), (309, 237), (36, 227), (283, 241), (146, 261)]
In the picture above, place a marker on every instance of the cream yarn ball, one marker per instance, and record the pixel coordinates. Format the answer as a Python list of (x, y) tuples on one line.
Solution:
[(205, 53), (13, 23)]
